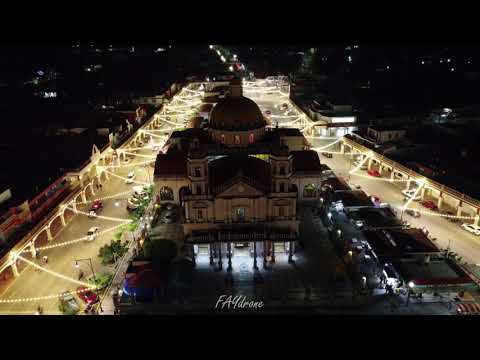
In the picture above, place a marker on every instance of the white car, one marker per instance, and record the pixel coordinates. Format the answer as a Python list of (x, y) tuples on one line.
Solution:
[(133, 201), (92, 214), (130, 177), (472, 228), (92, 233)]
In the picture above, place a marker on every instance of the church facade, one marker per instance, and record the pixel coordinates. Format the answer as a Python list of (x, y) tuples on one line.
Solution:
[(238, 183)]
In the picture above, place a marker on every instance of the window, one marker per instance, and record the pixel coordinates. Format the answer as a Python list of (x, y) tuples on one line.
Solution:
[(222, 139), (200, 214), (251, 138), (281, 211), (237, 139), (199, 190), (197, 172), (240, 212), (282, 187), (282, 170)]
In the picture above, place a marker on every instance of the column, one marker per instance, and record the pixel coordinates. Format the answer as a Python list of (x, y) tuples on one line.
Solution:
[(106, 175), (370, 162), (476, 222), (422, 193), (459, 210), (440, 201), (229, 249), (408, 184), (392, 175), (342, 148), (62, 217), (49, 234), (264, 254), (84, 197), (15, 269), (33, 251), (255, 267), (273, 251), (290, 252), (74, 205), (211, 253), (220, 265), (192, 249)]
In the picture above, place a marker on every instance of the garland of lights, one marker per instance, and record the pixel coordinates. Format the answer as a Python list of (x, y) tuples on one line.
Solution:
[(124, 178), (70, 242), (103, 198), (100, 216)]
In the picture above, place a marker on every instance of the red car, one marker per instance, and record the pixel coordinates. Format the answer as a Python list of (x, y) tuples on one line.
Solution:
[(97, 205), (429, 205), (374, 173), (268, 112), (87, 295)]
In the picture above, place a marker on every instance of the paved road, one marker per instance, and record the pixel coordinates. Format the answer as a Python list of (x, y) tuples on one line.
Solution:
[(35, 283), (446, 232)]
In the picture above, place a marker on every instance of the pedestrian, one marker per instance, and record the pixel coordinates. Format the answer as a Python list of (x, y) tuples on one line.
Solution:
[(45, 259)]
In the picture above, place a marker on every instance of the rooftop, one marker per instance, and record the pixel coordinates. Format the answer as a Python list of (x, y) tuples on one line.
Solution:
[(229, 167), (441, 272), (375, 217), (306, 161), (335, 184), (396, 243), (352, 198), (172, 164)]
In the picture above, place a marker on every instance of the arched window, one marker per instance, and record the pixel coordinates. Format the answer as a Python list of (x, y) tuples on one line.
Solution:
[(251, 138), (237, 139), (222, 139)]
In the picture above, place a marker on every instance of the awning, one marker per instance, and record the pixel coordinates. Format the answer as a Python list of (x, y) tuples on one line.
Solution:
[(468, 309)]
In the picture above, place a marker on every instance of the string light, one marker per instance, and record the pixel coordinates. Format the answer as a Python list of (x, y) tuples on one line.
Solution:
[(70, 242), (124, 178), (54, 273), (381, 179), (431, 213), (103, 198), (102, 217)]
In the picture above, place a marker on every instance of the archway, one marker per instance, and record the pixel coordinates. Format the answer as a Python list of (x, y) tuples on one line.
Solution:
[(166, 194), (310, 191), (55, 225)]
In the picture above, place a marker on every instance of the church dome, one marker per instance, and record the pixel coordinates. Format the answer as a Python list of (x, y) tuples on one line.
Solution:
[(236, 113)]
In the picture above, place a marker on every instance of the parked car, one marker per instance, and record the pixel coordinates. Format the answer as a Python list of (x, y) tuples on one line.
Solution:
[(132, 207), (328, 155), (130, 178), (429, 205), (471, 228), (87, 295), (133, 201), (374, 173), (97, 207), (68, 303), (268, 112), (413, 213), (92, 233)]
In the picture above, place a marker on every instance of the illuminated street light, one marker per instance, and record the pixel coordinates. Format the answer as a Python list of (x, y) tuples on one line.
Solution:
[(211, 46), (411, 285), (230, 68)]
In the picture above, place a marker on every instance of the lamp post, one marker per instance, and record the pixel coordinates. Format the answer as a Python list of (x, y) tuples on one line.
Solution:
[(89, 260), (411, 285)]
